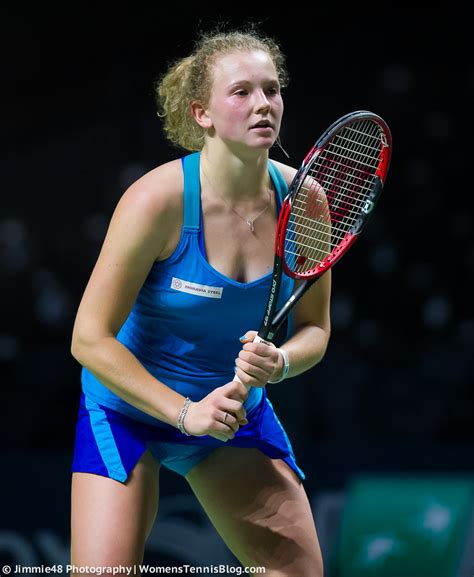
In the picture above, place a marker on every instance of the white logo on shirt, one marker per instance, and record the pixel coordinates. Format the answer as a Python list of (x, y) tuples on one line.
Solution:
[(194, 288)]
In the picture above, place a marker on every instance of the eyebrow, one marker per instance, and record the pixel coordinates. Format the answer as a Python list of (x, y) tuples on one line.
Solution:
[(236, 83)]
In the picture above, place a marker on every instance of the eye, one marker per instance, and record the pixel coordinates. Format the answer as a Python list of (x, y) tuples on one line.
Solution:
[(273, 90), (241, 92)]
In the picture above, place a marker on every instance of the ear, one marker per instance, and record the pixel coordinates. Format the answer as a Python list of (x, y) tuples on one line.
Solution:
[(200, 115)]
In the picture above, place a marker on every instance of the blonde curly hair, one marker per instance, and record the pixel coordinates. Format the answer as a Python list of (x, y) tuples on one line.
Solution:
[(190, 79)]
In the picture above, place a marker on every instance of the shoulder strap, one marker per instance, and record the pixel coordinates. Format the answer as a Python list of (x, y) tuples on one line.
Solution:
[(192, 190), (279, 182)]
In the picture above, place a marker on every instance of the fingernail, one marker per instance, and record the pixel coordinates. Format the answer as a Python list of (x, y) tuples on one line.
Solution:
[(235, 369), (244, 422), (243, 338)]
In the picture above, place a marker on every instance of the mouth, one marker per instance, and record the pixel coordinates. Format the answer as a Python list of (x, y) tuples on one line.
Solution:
[(262, 124)]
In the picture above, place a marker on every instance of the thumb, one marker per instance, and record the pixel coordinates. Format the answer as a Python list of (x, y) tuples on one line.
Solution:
[(248, 337)]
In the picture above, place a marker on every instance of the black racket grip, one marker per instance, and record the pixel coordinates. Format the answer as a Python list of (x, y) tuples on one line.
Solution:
[(281, 315)]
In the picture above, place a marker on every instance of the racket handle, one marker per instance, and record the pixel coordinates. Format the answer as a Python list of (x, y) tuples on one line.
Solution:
[(257, 339)]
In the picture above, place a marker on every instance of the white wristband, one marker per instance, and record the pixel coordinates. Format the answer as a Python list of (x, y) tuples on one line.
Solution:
[(286, 366)]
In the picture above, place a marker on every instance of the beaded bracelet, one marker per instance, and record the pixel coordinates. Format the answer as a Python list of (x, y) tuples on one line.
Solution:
[(286, 366), (182, 415)]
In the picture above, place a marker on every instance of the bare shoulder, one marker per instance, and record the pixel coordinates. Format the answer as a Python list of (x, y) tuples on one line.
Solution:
[(144, 225), (160, 190), (288, 172), (153, 204)]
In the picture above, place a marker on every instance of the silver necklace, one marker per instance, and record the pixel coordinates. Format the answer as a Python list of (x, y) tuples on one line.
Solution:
[(250, 221)]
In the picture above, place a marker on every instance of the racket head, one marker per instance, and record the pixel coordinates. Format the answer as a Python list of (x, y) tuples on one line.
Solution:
[(333, 194)]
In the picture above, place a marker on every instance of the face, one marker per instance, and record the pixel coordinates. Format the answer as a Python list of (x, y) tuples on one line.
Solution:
[(245, 106)]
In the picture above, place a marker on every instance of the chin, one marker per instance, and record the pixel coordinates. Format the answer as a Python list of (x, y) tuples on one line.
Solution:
[(263, 144), (251, 148)]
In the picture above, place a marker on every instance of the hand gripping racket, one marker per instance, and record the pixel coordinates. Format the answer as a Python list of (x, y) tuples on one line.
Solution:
[(329, 201)]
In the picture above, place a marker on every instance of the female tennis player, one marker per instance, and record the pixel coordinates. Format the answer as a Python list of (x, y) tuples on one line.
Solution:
[(167, 318)]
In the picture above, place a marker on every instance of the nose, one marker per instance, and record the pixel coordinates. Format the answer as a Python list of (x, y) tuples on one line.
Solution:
[(262, 104)]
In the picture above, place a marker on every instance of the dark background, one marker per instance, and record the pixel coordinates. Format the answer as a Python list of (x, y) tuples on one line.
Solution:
[(79, 123)]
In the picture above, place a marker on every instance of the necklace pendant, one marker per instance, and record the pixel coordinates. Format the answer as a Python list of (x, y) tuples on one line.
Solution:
[(251, 226)]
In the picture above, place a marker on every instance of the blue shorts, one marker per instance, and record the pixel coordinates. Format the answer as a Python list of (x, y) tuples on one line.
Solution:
[(110, 444)]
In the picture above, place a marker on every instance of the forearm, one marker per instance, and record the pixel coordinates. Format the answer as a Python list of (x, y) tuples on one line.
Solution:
[(120, 371), (305, 348)]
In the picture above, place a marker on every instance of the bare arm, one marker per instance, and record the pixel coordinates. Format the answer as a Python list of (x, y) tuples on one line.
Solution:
[(258, 363), (312, 327), (146, 225), (311, 316), (135, 238)]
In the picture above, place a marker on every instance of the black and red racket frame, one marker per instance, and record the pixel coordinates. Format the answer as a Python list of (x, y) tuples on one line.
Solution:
[(270, 323)]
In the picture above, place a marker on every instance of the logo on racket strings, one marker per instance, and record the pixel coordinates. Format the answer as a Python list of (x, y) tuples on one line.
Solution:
[(368, 206)]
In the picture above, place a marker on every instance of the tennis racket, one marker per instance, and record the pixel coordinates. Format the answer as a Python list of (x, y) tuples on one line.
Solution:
[(328, 204)]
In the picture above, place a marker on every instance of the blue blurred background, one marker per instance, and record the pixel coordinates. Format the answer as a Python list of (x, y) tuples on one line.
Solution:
[(393, 395)]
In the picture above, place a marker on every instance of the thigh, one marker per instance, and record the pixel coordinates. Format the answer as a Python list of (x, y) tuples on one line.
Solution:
[(260, 508), (110, 521)]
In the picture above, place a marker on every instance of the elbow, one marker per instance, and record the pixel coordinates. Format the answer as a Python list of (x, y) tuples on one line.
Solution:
[(325, 343), (321, 343), (80, 346), (322, 353), (77, 349), (84, 343)]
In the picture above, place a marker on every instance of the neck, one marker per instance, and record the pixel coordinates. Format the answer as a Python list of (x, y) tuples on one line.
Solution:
[(235, 176)]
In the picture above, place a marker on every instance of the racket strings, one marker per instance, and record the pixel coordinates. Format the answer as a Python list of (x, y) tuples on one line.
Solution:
[(344, 165), (350, 210), (333, 195)]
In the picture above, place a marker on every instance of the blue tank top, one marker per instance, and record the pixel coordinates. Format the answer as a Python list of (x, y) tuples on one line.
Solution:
[(185, 325)]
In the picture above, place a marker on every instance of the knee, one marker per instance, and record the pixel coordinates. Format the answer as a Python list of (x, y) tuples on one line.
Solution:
[(310, 565), (286, 556), (317, 567), (307, 566)]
